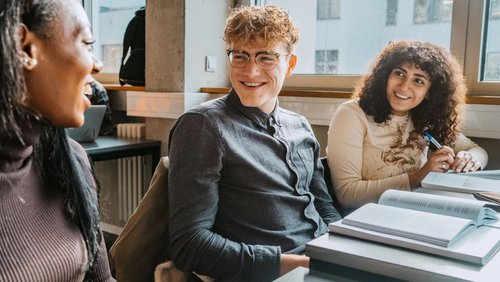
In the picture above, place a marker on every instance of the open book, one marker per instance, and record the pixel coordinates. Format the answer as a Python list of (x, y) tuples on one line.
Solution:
[(435, 224), (487, 181)]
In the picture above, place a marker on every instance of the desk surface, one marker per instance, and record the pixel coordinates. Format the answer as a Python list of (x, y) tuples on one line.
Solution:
[(112, 147), (106, 144), (302, 274)]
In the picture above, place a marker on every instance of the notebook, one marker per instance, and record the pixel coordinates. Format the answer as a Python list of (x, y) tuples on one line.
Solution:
[(89, 131)]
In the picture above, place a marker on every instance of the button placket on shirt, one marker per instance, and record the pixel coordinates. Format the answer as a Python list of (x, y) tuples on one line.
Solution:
[(278, 136)]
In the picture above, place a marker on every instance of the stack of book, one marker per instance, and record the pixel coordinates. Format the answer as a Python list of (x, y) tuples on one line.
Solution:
[(457, 228)]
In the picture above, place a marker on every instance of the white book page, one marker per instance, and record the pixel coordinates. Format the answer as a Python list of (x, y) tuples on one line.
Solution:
[(457, 207), (460, 182), (432, 228)]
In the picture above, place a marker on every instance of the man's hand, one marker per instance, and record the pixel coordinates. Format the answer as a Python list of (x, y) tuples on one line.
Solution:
[(289, 262)]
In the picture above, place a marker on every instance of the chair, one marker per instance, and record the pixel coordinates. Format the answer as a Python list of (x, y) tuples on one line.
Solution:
[(328, 180), (140, 253), (143, 242)]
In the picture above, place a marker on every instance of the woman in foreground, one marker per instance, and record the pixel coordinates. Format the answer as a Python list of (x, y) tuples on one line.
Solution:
[(49, 222)]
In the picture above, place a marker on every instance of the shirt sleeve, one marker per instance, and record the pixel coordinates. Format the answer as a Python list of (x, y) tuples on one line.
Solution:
[(463, 143), (346, 136), (196, 156)]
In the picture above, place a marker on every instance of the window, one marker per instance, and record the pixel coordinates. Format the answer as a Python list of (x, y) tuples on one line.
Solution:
[(328, 10), (326, 61), (391, 12), (109, 20), (494, 10), (432, 11), (357, 37), (491, 65), (470, 29)]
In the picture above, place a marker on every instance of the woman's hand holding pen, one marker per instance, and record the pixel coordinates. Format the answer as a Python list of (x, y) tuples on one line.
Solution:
[(464, 162), (443, 158), (440, 161)]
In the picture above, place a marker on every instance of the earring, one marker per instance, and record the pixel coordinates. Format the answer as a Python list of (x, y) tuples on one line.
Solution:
[(28, 62), (32, 62)]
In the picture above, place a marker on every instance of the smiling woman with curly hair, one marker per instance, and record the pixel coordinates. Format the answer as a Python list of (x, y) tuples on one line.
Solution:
[(376, 142)]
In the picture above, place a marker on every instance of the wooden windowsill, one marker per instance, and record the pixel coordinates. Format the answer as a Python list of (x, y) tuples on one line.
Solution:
[(488, 100), (118, 87), (291, 92)]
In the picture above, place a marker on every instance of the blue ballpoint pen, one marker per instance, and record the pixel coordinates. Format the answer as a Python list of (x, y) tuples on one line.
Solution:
[(432, 140)]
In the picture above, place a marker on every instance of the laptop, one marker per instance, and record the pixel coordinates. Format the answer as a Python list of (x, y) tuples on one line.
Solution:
[(89, 131)]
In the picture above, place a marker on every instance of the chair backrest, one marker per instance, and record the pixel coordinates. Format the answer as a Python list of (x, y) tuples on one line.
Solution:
[(143, 242), (328, 180)]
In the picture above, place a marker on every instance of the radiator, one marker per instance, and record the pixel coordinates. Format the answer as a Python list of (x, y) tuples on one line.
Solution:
[(132, 178)]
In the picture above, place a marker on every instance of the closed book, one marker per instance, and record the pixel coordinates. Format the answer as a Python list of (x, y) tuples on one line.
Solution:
[(463, 182)]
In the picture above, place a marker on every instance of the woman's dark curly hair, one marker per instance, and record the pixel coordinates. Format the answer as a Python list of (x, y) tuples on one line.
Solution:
[(440, 112)]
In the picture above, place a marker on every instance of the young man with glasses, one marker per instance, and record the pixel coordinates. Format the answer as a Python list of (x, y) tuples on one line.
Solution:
[(246, 188)]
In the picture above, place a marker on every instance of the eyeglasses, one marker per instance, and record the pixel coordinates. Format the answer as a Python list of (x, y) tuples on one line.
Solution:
[(265, 59)]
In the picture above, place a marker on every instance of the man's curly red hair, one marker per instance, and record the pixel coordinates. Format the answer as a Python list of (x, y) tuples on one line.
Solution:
[(270, 23)]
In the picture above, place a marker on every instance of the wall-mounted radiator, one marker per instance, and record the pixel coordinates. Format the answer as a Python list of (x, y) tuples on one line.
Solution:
[(132, 177)]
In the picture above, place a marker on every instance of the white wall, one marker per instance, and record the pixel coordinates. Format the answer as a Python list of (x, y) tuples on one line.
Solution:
[(204, 25)]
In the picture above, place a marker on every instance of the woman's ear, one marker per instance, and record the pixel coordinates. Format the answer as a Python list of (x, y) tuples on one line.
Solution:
[(28, 51), (291, 65)]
